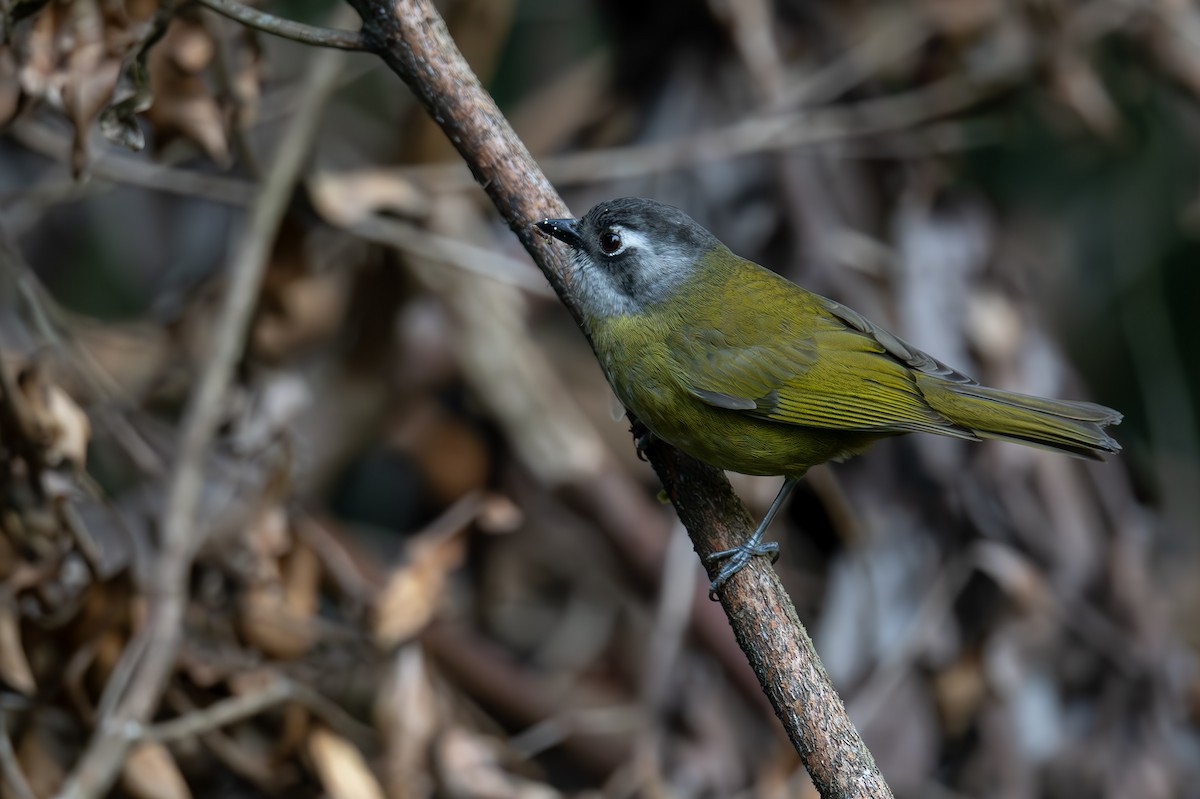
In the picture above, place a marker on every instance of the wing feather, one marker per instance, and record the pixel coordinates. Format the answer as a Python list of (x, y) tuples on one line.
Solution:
[(823, 365)]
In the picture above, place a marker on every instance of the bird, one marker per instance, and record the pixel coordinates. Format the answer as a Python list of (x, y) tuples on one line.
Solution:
[(745, 370)]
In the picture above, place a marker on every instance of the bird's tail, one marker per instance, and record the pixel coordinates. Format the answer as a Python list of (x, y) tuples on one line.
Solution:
[(1076, 428)]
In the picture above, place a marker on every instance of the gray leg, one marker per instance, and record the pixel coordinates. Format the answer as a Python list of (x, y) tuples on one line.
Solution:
[(753, 547)]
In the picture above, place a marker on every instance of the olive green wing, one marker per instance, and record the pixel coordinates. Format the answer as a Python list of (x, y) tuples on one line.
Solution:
[(823, 365)]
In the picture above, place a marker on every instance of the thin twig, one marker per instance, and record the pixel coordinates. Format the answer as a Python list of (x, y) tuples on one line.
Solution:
[(239, 708), (234, 755), (413, 40), (900, 114), (101, 762), (286, 28), (121, 167), (460, 254), (221, 714)]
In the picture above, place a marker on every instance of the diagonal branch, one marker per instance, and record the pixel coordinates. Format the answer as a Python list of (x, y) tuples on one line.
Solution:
[(413, 40)]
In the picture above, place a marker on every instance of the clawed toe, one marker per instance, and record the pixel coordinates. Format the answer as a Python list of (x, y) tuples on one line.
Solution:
[(736, 559), (642, 438)]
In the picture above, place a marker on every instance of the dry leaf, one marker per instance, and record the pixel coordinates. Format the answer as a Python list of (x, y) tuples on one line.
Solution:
[(73, 54), (302, 311), (302, 580), (341, 767), (151, 773), (500, 515), (961, 19), (994, 326), (110, 646), (271, 412), (455, 460), (134, 356), (1016, 575), (452, 456), (62, 426), (41, 762), (14, 667), (267, 623), (1078, 87), (184, 105), (469, 768), (268, 538), (293, 730), (245, 81), (960, 691), (413, 591), (406, 711), (275, 613), (346, 198)]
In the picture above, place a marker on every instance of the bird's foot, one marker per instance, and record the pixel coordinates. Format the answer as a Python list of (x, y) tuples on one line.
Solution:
[(736, 559), (642, 438)]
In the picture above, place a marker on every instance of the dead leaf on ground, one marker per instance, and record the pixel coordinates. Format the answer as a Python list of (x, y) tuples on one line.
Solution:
[(276, 611), (963, 19), (347, 198), (960, 690), (414, 591), (407, 713), (500, 515), (269, 539), (1020, 580), (268, 623), (14, 667), (1077, 86), (451, 454), (72, 58), (62, 426), (184, 105), (301, 312), (302, 580), (151, 773), (42, 762), (341, 768), (469, 767)]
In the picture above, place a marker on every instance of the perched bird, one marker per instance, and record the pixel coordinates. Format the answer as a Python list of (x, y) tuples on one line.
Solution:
[(749, 372)]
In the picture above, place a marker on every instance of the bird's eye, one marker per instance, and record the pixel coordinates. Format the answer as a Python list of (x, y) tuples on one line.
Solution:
[(610, 242)]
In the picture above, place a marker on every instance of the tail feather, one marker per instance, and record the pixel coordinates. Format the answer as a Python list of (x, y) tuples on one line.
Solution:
[(1076, 428)]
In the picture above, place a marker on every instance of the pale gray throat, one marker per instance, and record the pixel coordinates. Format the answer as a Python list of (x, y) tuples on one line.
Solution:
[(599, 294)]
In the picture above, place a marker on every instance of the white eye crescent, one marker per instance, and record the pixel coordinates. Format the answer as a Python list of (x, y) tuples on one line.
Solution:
[(611, 242)]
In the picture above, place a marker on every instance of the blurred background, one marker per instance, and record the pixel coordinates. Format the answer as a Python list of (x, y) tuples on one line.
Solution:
[(419, 514)]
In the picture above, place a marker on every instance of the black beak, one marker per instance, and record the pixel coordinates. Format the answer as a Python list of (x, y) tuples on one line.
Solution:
[(565, 230)]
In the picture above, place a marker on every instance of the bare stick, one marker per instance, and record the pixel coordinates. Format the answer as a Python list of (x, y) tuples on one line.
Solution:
[(286, 28), (221, 713), (239, 708), (154, 662), (413, 40)]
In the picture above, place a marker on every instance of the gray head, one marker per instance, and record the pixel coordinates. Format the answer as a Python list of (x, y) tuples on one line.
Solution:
[(629, 253)]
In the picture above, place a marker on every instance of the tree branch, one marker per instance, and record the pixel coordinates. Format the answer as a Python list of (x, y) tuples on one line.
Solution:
[(286, 28), (413, 40)]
